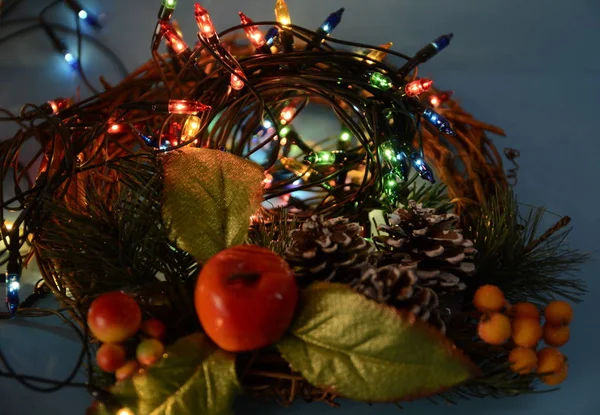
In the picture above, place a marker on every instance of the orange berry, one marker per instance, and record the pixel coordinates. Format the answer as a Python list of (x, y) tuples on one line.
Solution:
[(556, 335), (525, 310), (556, 378), (550, 361), (526, 332), (559, 313), (494, 328), (524, 360), (489, 298)]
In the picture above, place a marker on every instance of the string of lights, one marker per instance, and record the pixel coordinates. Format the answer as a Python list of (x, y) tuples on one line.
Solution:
[(245, 100)]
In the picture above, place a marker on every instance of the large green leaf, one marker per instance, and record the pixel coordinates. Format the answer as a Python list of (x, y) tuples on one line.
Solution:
[(361, 350), (208, 198), (194, 378)]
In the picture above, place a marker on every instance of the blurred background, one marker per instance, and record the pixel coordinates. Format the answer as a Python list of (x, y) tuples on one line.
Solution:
[(531, 67)]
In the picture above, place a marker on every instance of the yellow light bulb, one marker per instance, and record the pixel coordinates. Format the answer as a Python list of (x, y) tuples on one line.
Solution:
[(8, 226), (125, 411), (377, 55), (191, 127), (282, 14)]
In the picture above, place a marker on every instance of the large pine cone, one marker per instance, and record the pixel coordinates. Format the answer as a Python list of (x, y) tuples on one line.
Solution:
[(328, 250), (396, 285), (431, 244)]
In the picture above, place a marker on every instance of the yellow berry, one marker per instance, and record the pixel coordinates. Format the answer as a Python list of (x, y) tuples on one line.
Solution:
[(526, 332), (559, 313), (489, 298), (556, 378), (525, 310), (494, 328), (524, 360), (556, 336), (550, 361)]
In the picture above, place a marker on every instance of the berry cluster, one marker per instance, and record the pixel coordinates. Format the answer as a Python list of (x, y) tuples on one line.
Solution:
[(128, 343), (521, 323)]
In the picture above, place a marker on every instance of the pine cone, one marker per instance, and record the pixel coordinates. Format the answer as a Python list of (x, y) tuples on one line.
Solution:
[(431, 244), (396, 285), (328, 250)]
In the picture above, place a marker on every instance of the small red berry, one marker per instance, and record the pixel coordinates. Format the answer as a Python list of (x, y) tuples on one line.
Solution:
[(149, 351), (154, 328), (525, 310), (114, 317), (556, 336), (558, 313), (526, 332), (110, 357), (524, 360)]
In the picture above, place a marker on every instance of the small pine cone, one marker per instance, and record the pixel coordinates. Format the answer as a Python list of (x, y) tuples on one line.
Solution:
[(328, 250), (431, 243), (396, 286)]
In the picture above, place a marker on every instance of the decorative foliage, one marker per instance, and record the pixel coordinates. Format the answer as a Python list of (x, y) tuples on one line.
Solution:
[(194, 377), (208, 198), (353, 346)]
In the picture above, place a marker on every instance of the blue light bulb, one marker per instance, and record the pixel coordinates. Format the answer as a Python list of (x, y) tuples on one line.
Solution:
[(13, 287), (442, 41), (421, 167), (435, 119), (332, 21), (271, 35), (82, 14)]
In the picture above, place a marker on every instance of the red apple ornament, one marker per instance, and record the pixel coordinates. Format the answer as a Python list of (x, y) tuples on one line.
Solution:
[(114, 317), (245, 297)]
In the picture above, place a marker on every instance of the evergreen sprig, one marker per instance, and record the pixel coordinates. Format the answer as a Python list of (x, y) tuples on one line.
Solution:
[(513, 255)]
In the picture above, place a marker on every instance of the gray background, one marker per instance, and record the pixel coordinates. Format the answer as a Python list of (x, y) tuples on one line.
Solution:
[(529, 66)]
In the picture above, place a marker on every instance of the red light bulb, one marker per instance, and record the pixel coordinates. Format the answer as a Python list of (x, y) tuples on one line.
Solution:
[(252, 33), (58, 104), (417, 87), (115, 129), (434, 101), (205, 25), (172, 39), (287, 114), (235, 81), (183, 106), (439, 99)]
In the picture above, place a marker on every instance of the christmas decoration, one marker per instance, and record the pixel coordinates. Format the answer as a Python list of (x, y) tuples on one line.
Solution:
[(328, 250), (245, 298), (430, 243), (114, 317), (188, 221)]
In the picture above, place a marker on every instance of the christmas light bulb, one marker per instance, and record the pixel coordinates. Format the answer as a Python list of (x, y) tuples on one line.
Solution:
[(172, 38), (421, 167), (82, 14), (115, 129), (125, 411), (13, 287), (191, 127), (439, 99), (287, 114), (282, 14), (58, 104), (326, 157), (205, 25), (426, 53), (441, 42), (253, 34), (284, 131), (345, 136), (182, 106), (435, 119), (332, 21), (417, 87), (378, 55), (272, 35), (169, 4), (381, 81), (235, 81), (71, 60)]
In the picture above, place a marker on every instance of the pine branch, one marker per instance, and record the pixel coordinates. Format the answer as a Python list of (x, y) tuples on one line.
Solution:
[(511, 255)]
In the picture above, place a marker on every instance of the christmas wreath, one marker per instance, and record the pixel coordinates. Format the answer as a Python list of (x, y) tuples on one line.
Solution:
[(202, 246)]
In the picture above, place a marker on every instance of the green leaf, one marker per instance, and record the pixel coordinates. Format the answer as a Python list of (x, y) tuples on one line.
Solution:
[(343, 342), (208, 198), (194, 378)]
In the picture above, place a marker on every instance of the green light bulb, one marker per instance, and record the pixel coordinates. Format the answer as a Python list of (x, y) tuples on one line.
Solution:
[(381, 81), (345, 136), (326, 157), (284, 131), (389, 152), (169, 4)]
